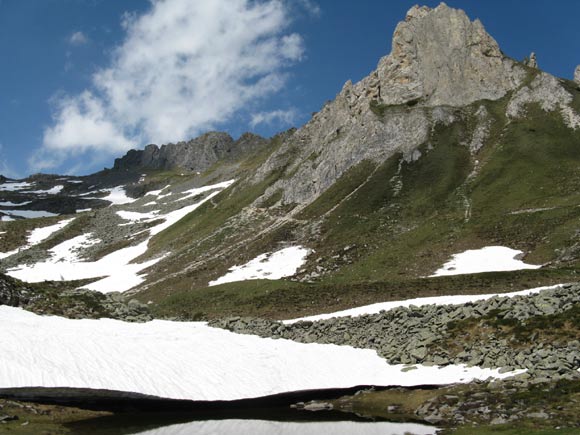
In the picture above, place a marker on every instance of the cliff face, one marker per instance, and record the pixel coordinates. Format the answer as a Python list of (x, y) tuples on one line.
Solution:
[(440, 57), (440, 61), (195, 155)]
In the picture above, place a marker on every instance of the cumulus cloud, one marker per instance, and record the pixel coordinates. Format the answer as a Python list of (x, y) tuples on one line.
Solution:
[(280, 117), (78, 38), (184, 67)]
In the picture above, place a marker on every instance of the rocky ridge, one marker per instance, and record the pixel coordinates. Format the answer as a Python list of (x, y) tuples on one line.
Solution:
[(196, 155), (577, 75), (415, 335)]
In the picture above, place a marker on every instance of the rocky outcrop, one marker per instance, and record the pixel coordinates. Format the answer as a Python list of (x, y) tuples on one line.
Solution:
[(547, 91), (440, 57), (48, 298), (439, 60), (12, 293), (195, 155), (577, 75), (531, 61)]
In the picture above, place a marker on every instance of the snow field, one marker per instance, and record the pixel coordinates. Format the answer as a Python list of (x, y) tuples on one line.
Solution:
[(190, 360)]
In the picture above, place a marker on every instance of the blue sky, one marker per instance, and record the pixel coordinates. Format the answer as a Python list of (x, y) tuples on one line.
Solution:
[(82, 81)]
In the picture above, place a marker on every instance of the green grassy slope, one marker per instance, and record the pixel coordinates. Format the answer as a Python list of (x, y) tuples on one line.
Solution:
[(391, 223)]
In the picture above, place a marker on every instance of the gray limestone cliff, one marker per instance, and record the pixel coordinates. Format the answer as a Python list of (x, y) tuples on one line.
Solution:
[(195, 155), (440, 59)]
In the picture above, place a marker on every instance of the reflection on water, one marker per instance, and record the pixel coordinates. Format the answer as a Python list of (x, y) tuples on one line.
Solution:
[(263, 427)]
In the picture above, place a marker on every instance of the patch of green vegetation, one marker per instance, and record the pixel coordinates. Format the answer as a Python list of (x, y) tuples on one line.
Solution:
[(280, 299), (34, 419)]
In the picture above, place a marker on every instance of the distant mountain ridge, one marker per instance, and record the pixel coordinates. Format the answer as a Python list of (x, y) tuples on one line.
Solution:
[(194, 155)]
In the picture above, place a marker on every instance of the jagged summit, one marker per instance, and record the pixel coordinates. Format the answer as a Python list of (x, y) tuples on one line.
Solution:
[(195, 155), (440, 57)]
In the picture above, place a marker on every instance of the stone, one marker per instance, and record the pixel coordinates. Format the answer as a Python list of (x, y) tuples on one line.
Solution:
[(577, 75), (531, 61)]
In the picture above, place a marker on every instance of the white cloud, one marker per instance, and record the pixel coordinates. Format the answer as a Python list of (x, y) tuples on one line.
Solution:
[(183, 68), (78, 38), (281, 117), (311, 7)]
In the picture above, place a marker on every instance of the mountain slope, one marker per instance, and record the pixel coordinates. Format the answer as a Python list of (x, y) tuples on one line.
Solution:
[(448, 145)]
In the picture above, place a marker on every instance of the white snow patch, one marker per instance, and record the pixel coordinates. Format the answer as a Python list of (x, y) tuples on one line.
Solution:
[(279, 264), (418, 302), (29, 214), (82, 210), (157, 192), (190, 360), (14, 204), (12, 186), (6, 219), (52, 191), (263, 427), (191, 193), (74, 181), (118, 196), (38, 235), (488, 259)]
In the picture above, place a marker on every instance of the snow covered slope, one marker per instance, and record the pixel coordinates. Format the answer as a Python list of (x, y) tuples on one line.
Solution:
[(189, 360), (118, 269)]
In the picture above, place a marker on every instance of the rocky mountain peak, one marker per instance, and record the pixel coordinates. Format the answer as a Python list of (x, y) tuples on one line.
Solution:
[(577, 75), (194, 155), (440, 57)]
